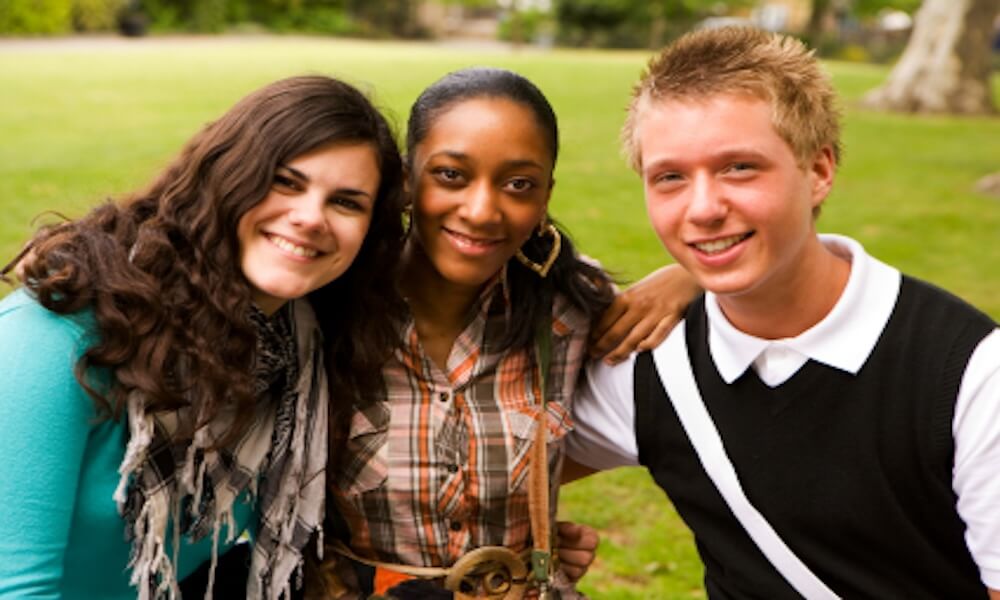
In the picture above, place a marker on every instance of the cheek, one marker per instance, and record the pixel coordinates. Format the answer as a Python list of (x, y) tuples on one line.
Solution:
[(522, 232), (661, 216), (429, 207), (352, 234), (244, 229), (523, 220)]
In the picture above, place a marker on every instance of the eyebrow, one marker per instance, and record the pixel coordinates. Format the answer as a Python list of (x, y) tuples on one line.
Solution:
[(343, 191), (514, 163), (743, 153), (723, 156)]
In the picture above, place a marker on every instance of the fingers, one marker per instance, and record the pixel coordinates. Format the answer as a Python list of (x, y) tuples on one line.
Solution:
[(577, 535), (638, 333), (643, 315), (628, 329), (577, 548), (600, 342), (659, 333)]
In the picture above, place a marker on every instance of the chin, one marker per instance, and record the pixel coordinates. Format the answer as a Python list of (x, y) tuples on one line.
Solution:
[(467, 277), (724, 284)]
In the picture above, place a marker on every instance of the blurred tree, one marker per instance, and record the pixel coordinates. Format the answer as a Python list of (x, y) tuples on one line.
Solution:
[(35, 16), (634, 22), (96, 15), (868, 8), (946, 65), (393, 17), (585, 18)]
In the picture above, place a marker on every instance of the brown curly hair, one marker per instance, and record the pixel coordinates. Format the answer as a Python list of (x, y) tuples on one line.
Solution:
[(161, 273)]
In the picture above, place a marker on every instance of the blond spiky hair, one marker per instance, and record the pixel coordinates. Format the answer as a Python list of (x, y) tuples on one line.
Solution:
[(741, 60)]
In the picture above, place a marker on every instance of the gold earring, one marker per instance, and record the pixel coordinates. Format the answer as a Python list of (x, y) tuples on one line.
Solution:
[(545, 228), (407, 219)]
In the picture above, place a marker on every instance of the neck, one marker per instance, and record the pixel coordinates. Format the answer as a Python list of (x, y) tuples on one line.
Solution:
[(791, 303), (440, 308)]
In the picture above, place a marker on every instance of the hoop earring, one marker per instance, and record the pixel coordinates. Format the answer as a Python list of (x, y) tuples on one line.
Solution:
[(545, 229), (406, 218)]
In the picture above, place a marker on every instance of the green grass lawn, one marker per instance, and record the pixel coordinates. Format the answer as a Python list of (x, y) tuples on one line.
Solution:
[(83, 121)]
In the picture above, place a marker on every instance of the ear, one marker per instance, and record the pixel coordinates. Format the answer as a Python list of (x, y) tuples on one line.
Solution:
[(821, 174)]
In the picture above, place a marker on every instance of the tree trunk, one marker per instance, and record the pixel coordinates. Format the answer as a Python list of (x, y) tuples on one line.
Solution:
[(989, 185), (946, 65), (816, 27), (657, 26)]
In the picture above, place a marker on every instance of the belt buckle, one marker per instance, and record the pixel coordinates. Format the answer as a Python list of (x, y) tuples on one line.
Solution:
[(494, 572)]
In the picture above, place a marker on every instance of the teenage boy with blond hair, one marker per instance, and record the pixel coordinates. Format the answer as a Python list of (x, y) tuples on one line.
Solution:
[(826, 426)]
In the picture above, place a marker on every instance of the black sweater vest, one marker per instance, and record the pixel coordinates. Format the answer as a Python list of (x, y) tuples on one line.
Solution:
[(852, 471)]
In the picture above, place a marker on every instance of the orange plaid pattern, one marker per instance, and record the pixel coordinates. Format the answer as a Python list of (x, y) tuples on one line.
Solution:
[(438, 465)]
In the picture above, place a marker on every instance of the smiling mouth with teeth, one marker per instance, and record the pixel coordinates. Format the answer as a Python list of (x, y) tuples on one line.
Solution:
[(722, 244), (295, 249), (481, 242)]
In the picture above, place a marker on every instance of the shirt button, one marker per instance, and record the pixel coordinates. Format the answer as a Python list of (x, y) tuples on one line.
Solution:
[(443, 396), (453, 468), (456, 526)]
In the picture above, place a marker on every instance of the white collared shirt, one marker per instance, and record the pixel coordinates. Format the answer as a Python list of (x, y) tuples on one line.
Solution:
[(604, 410)]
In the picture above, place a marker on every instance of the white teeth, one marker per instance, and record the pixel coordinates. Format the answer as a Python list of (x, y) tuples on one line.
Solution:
[(716, 246), (470, 241), (288, 246)]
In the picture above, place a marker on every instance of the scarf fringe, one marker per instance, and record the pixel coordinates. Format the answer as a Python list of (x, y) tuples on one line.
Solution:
[(150, 504)]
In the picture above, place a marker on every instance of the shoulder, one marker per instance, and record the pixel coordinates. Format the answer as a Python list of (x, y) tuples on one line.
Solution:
[(26, 325), (39, 348), (928, 296), (614, 384), (568, 319), (939, 317)]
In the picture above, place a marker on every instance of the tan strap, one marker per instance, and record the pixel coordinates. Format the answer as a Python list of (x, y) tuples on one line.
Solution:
[(538, 474), (538, 485), (423, 572)]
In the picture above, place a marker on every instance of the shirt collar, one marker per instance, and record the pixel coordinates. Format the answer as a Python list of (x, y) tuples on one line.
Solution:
[(843, 339)]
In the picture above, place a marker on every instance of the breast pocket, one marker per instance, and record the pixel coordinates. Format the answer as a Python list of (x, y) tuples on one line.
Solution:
[(522, 427), (364, 466)]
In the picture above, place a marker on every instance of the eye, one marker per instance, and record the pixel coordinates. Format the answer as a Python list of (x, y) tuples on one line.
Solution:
[(667, 179), (348, 203), (520, 185), (286, 183), (447, 175), (741, 168)]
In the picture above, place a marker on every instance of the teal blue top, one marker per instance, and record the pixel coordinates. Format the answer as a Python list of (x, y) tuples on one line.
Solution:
[(60, 532)]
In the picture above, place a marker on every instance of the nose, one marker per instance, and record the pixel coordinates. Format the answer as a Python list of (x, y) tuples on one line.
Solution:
[(707, 205), (480, 206), (308, 212)]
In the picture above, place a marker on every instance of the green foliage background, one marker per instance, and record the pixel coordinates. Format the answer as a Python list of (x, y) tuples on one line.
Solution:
[(82, 121)]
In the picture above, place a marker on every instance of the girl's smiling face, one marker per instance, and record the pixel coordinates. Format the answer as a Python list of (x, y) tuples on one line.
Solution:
[(480, 181), (309, 228)]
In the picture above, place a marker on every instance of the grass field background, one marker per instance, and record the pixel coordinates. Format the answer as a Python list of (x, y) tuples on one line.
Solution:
[(82, 120)]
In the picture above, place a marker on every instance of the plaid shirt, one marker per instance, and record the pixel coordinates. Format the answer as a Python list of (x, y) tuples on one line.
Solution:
[(438, 467)]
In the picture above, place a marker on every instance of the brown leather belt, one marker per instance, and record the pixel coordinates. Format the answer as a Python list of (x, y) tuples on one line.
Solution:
[(494, 572)]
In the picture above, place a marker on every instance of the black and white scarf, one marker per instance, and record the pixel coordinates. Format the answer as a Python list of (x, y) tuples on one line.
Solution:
[(280, 460)]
